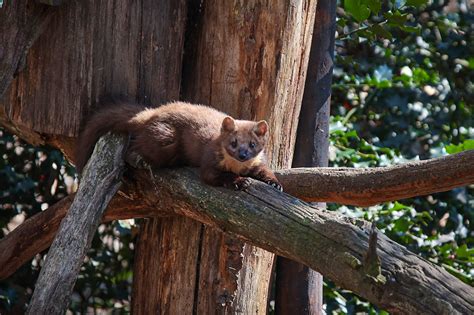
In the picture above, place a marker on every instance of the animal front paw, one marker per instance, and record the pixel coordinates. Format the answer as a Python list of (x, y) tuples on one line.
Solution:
[(274, 184), (241, 183)]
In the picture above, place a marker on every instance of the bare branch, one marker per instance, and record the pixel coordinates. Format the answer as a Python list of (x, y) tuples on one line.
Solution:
[(369, 186), (313, 184), (331, 244), (102, 178)]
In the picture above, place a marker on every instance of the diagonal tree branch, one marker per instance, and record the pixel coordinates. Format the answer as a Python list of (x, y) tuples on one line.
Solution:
[(331, 244), (328, 243), (370, 186), (101, 181), (312, 184)]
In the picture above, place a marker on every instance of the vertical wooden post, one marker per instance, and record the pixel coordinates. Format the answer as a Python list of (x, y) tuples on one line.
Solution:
[(299, 289), (249, 60), (164, 269)]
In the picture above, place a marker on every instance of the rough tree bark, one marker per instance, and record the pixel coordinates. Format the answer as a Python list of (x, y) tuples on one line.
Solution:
[(249, 60), (409, 284), (298, 288), (37, 233), (334, 236), (101, 181)]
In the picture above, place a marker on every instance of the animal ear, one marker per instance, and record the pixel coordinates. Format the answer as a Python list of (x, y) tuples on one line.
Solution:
[(260, 128), (228, 124)]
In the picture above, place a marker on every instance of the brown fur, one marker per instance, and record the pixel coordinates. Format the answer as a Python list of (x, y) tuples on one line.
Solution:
[(185, 134)]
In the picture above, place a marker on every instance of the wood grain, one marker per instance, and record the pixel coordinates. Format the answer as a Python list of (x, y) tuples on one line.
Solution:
[(37, 232), (21, 22), (249, 60), (100, 182), (370, 186)]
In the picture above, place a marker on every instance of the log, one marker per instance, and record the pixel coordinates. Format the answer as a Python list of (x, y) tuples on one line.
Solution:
[(331, 244), (370, 186), (326, 242), (37, 232), (101, 180)]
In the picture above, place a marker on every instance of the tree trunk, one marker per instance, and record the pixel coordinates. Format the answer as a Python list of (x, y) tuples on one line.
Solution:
[(298, 288), (248, 60), (164, 267)]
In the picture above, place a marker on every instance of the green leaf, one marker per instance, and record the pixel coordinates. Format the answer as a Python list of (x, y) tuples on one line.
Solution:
[(358, 10), (465, 253), (396, 18), (380, 31), (412, 29), (374, 5), (416, 3), (466, 145)]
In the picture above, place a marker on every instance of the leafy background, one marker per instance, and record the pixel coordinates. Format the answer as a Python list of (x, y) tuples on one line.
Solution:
[(402, 91)]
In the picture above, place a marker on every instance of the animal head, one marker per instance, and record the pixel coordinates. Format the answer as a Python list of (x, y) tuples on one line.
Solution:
[(243, 140)]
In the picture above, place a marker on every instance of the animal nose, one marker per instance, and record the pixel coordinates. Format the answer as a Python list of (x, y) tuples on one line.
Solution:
[(243, 154)]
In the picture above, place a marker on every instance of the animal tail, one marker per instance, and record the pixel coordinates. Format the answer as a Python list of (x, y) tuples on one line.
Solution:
[(113, 116)]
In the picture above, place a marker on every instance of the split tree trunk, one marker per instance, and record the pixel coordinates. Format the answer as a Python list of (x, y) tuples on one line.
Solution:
[(298, 288), (249, 60)]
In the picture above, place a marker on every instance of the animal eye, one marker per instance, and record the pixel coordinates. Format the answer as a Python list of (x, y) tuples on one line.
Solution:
[(234, 143), (252, 144)]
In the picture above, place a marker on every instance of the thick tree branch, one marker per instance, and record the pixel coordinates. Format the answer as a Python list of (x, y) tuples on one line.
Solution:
[(331, 244), (101, 181), (312, 184), (370, 186), (37, 233)]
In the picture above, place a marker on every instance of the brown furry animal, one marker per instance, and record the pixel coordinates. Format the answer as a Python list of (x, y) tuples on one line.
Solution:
[(226, 150)]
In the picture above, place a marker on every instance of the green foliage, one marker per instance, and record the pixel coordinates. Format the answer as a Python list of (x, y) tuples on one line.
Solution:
[(464, 146), (32, 179), (405, 96)]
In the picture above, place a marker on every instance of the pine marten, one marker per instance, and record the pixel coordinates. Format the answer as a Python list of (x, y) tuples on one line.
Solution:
[(226, 150)]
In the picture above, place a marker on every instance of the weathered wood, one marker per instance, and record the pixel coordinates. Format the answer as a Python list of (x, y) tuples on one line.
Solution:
[(96, 47), (167, 248), (21, 22), (23, 243), (369, 186), (322, 240), (249, 60), (162, 249), (298, 288), (325, 241), (37, 233), (100, 182)]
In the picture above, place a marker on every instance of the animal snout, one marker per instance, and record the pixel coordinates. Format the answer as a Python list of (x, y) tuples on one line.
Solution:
[(243, 154)]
